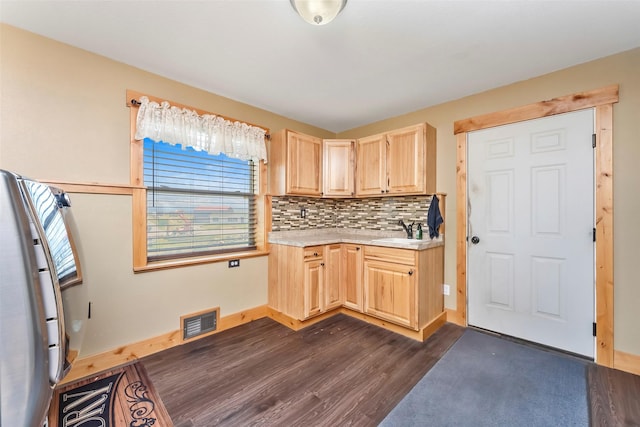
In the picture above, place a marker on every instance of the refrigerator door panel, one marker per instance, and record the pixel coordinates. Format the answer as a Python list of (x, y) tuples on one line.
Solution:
[(25, 391), (54, 243), (48, 296)]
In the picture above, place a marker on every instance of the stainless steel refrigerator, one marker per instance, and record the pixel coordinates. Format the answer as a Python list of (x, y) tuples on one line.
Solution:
[(43, 304)]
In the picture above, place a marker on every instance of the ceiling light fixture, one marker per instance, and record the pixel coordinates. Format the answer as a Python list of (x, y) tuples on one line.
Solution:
[(318, 12)]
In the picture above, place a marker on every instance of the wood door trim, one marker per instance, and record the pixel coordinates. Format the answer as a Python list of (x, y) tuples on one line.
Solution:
[(602, 100), (562, 104)]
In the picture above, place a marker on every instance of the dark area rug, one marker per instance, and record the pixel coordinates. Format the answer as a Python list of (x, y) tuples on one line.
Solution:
[(484, 380), (123, 397)]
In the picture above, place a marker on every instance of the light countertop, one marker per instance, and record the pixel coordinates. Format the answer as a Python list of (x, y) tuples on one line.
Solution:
[(327, 236)]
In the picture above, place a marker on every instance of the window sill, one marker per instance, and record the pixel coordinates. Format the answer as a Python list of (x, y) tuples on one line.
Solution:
[(177, 263)]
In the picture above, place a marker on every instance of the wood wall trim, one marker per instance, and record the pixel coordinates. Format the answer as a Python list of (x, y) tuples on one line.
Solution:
[(604, 235), (419, 335), (207, 259), (93, 188), (454, 317), (602, 101), (91, 365), (461, 228), (296, 324), (563, 104), (627, 362)]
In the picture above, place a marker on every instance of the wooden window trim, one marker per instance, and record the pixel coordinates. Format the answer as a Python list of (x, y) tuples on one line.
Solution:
[(602, 101), (139, 204)]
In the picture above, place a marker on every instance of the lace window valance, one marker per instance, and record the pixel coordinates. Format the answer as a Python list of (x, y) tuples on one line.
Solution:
[(210, 133)]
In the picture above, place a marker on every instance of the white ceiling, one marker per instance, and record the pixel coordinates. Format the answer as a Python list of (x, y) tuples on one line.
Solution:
[(378, 59)]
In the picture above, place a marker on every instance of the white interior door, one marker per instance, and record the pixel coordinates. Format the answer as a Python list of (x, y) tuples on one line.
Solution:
[(531, 216)]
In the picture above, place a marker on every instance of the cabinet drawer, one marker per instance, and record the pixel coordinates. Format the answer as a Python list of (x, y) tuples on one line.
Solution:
[(312, 252), (393, 255)]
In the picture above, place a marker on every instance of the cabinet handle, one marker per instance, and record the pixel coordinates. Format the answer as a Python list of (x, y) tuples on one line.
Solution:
[(410, 273)]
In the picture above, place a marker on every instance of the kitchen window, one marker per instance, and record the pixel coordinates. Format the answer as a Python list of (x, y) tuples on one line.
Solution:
[(198, 201)]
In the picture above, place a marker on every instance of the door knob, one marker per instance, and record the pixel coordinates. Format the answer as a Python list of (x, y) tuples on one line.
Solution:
[(475, 240)]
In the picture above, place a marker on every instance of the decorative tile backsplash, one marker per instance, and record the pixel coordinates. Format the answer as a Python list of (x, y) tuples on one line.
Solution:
[(380, 213)]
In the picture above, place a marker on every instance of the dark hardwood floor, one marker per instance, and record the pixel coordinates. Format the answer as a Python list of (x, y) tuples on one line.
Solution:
[(338, 372), (614, 397), (341, 371)]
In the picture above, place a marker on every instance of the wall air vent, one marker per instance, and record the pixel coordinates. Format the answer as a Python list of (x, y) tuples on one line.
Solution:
[(198, 324)]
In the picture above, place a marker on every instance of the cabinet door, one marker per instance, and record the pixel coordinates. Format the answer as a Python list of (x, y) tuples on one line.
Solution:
[(390, 292), (406, 160), (313, 280), (352, 276), (304, 164), (339, 168), (332, 279), (371, 166)]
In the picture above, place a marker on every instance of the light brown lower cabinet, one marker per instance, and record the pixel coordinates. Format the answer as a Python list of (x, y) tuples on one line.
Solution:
[(389, 292), (333, 277), (352, 257), (312, 288), (304, 282), (402, 286), (296, 280)]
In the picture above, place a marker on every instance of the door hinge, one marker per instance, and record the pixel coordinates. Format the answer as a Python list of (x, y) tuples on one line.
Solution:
[(593, 140), (594, 329), (594, 234)]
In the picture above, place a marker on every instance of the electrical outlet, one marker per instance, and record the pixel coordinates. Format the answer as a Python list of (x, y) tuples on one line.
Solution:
[(445, 289), (303, 213), (234, 263)]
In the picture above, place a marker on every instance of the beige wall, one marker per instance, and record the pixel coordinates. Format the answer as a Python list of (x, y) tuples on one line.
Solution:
[(68, 106), (63, 117), (622, 69)]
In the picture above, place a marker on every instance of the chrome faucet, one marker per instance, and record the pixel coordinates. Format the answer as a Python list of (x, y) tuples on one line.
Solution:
[(407, 228)]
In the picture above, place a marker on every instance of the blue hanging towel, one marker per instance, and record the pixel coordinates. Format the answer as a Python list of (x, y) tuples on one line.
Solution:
[(434, 217)]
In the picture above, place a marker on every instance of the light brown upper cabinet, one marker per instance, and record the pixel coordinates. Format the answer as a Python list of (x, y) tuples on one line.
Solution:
[(371, 177), (339, 168), (295, 164), (398, 162)]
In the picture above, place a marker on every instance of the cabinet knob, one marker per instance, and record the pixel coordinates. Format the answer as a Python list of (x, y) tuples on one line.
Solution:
[(357, 248), (382, 191), (315, 254), (410, 273), (322, 264)]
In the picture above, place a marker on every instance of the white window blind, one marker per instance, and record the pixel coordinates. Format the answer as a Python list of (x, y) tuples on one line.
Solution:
[(197, 203)]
